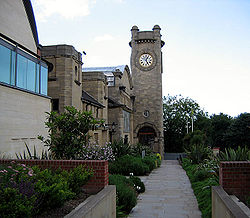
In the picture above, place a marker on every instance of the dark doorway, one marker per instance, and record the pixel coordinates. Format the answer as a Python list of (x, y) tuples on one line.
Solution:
[(146, 136)]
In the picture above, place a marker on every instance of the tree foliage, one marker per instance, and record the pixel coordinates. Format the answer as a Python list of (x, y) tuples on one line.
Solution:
[(238, 133), (178, 111), (68, 132), (216, 130)]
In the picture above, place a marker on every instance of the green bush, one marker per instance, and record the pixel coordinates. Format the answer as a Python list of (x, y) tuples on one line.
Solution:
[(200, 175), (120, 149), (78, 177), (201, 182), (197, 153), (68, 132), (14, 204), (151, 161), (27, 191), (239, 154), (126, 195), (138, 184), (136, 150), (53, 189), (128, 164)]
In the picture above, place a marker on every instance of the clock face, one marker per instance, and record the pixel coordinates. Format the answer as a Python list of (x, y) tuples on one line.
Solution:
[(146, 60)]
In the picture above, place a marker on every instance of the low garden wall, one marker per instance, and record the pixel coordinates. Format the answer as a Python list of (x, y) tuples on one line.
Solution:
[(103, 204), (235, 178), (94, 185), (224, 206)]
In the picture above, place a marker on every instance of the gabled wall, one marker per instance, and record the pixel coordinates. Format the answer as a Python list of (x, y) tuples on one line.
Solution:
[(15, 23)]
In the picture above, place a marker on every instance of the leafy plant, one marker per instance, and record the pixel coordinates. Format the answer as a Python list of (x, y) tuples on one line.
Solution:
[(197, 153), (46, 155), (15, 204), (129, 164), (239, 154), (78, 177), (138, 184), (136, 150), (68, 132), (201, 181), (97, 152), (126, 195), (120, 149)]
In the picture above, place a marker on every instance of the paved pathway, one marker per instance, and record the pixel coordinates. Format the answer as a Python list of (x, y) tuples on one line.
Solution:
[(168, 194)]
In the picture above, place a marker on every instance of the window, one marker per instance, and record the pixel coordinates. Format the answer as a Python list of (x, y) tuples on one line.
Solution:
[(55, 105), (126, 118), (20, 69), (111, 80), (7, 65), (44, 80)]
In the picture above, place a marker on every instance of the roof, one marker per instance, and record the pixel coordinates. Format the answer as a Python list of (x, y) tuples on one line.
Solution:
[(86, 97), (113, 103), (31, 18), (108, 71)]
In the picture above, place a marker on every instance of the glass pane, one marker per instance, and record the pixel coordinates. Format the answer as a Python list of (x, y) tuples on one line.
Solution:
[(5, 64), (44, 80), (31, 75), (22, 67), (37, 78), (13, 64)]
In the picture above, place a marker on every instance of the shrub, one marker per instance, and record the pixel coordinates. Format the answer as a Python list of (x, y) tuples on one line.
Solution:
[(201, 181), (120, 149), (239, 154), (136, 150), (14, 204), (78, 177), (68, 132), (126, 195), (198, 153), (97, 152), (31, 190), (200, 175), (129, 164), (53, 189), (138, 184), (151, 162)]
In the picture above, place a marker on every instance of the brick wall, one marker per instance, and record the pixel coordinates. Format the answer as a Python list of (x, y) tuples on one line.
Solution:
[(95, 184), (235, 178)]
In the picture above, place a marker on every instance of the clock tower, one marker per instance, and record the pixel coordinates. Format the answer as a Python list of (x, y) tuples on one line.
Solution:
[(146, 67)]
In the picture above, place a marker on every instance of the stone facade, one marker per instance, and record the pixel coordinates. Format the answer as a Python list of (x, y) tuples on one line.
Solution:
[(118, 96), (68, 86), (147, 80), (64, 86), (23, 104)]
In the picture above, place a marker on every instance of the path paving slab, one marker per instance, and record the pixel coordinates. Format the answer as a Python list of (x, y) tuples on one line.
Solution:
[(168, 194)]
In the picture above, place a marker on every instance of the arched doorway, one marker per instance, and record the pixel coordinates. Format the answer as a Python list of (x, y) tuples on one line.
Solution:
[(146, 136)]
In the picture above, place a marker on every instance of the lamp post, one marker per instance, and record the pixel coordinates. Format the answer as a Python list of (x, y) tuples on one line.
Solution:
[(112, 131)]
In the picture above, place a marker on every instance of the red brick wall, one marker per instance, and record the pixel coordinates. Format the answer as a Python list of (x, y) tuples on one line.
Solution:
[(235, 178), (95, 184)]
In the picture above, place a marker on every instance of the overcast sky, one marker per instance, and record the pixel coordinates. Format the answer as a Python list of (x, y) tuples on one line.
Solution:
[(207, 52)]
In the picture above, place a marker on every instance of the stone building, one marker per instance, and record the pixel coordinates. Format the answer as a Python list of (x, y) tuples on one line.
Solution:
[(120, 100), (67, 86), (23, 79), (146, 67)]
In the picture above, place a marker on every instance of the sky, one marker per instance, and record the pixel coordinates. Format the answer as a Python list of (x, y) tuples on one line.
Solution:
[(207, 52)]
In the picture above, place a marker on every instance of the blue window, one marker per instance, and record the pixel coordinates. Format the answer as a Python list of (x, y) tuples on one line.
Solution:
[(7, 65), (29, 73), (44, 80)]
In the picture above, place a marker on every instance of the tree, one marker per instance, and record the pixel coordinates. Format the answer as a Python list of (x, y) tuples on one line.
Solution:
[(238, 133), (220, 124), (178, 115), (68, 132)]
